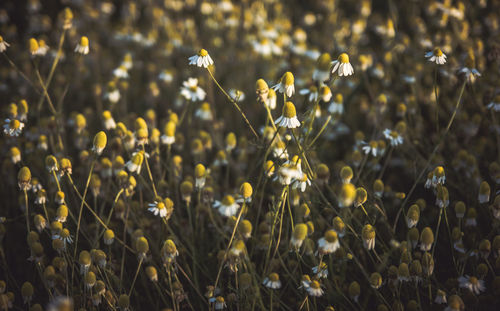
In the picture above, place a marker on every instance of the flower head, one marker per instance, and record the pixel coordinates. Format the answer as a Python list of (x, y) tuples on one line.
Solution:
[(342, 65), (288, 118), (83, 46), (436, 56), (202, 59)]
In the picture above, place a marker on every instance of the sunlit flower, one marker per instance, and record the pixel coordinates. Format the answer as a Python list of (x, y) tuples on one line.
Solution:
[(436, 56), (395, 139), (272, 281), (286, 84), (329, 243), (227, 207), (342, 65), (202, 59), (288, 118), (158, 208), (315, 289), (191, 91), (13, 127), (83, 46), (120, 72), (3, 45)]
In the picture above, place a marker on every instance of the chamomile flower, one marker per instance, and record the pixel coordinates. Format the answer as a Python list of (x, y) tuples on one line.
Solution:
[(312, 93), (336, 106), (288, 118), (270, 101), (329, 243), (301, 182), (135, 164), (83, 46), (168, 137), (315, 289), (495, 104), (298, 236), (204, 112), (286, 84), (191, 91), (120, 72), (227, 207), (3, 45), (342, 66), (368, 235), (202, 59), (395, 139), (321, 271), (272, 281), (472, 283), (322, 71), (436, 56), (158, 208), (13, 127), (371, 148)]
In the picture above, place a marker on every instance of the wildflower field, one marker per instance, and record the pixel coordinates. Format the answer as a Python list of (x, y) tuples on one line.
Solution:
[(250, 155)]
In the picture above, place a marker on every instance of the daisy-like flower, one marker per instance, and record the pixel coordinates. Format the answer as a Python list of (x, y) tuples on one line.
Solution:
[(109, 122), (371, 148), (440, 297), (202, 59), (227, 207), (168, 138), (336, 106), (368, 235), (321, 271), (342, 65), (135, 164), (204, 112), (436, 56), (3, 45), (395, 139), (166, 76), (158, 208), (288, 118), (120, 72), (329, 243), (301, 182), (272, 281), (271, 99), (472, 283), (219, 304), (191, 91), (322, 71), (315, 289), (286, 84), (13, 127), (237, 95), (279, 150), (312, 92), (495, 104), (83, 46)]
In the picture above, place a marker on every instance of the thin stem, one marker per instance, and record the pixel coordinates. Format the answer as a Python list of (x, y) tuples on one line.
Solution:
[(234, 104)]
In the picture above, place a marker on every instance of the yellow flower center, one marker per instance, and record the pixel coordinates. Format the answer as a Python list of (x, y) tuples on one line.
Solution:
[(315, 284), (289, 110), (202, 53), (228, 200), (274, 277), (343, 58), (15, 124), (331, 236), (288, 78), (160, 205), (33, 45), (437, 52), (84, 41)]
